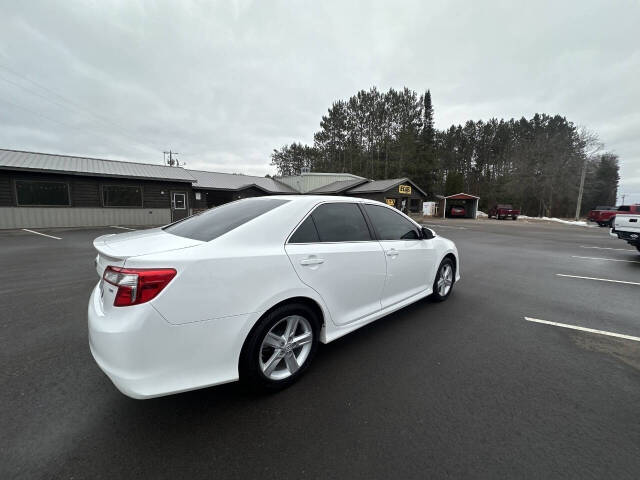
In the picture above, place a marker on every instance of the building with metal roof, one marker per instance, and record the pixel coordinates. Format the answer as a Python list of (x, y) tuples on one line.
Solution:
[(51, 190), (461, 205), (233, 181), (377, 186), (338, 187), (52, 163), (307, 181), (401, 193), (213, 188)]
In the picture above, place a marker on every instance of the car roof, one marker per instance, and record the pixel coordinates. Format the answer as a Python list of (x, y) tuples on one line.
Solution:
[(313, 199)]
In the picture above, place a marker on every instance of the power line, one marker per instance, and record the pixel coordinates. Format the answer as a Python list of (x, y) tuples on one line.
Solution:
[(34, 112), (64, 99), (75, 105)]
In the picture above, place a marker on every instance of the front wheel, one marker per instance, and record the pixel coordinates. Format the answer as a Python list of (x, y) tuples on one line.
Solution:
[(280, 347), (445, 278)]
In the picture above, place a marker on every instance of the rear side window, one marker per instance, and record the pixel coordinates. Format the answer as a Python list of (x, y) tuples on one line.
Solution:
[(391, 225), (220, 220), (306, 232), (624, 208), (340, 222)]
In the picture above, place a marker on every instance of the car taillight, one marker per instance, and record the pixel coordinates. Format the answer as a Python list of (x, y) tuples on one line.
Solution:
[(137, 285)]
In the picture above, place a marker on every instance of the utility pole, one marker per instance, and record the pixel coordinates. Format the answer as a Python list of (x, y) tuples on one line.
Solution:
[(579, 205), (172, 162), (592, 146), (623, 195)]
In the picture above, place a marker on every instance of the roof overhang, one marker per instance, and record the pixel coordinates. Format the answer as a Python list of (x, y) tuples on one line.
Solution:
[(394, 185), (93, 174), (461, 196)]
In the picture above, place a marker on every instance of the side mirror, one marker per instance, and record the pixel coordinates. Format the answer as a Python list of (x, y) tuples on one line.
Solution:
[(427, 233)]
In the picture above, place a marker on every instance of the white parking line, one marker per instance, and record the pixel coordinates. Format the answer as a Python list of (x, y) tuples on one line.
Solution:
[(607, 259), (444, 226), (123, 228), (598, 279), (584, 329), (609, 248), (43, 234)]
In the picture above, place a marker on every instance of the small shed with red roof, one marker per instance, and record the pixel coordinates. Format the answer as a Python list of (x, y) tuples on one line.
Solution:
[(460, 205)]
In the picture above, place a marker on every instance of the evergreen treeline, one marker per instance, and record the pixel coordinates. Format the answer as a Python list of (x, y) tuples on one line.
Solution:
[(534, 163)]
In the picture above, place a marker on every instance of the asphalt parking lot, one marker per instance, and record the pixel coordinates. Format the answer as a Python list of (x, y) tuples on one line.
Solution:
[(466, 388)]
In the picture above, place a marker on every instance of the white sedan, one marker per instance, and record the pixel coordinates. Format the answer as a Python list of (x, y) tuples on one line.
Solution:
[(247, 290)]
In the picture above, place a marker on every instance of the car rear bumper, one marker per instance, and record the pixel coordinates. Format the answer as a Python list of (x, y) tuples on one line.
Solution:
[(145, 356)]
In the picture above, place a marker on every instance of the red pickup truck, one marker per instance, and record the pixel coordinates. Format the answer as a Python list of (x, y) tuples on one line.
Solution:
[(605, 216), (505, 210)]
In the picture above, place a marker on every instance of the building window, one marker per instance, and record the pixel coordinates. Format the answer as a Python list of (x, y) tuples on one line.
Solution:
[(121, 196), (37, 193)]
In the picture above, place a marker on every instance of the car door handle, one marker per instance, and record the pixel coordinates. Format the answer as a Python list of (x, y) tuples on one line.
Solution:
[(311, 261), (392, 253)]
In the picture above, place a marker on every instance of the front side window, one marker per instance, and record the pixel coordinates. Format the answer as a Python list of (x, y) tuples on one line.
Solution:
[(121, 196), (340, 222), (38, 193), (213, 223), (391, 225)]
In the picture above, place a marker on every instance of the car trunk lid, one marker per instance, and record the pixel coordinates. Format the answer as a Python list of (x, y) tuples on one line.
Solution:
[(114, 249)]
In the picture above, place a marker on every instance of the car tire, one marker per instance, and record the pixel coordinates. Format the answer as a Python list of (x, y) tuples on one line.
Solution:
[(440, 294), (514, 218), (263, 366)]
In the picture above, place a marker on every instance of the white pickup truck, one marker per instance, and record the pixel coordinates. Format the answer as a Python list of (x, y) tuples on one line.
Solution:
[(627, 227)]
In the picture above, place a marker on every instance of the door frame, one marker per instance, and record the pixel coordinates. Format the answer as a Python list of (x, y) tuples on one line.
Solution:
[(174, 217)]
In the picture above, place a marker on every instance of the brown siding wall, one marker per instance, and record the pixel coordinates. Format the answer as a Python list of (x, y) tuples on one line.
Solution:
[(87, 191), (6, 193)]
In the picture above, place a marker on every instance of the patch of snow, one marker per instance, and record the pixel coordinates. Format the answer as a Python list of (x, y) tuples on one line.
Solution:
[(482, 214), (579, 223)]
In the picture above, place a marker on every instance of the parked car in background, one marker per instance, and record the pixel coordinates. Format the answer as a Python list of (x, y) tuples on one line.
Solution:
[(627, 227), (249, 289), (503, 211), (605, 217), (457, 212)]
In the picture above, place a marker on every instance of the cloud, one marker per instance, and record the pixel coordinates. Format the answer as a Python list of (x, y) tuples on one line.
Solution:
[(224, 83)]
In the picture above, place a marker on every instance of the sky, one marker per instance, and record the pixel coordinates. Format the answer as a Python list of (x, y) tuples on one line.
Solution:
[(224, 83)]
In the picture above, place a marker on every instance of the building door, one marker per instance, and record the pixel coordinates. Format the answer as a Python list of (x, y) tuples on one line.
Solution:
[(179, 207)]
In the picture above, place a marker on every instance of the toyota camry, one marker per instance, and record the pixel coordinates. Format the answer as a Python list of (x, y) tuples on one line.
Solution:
[(248, 290)]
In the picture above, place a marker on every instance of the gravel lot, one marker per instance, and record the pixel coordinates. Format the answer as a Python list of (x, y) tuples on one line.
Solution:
[(466, 388)]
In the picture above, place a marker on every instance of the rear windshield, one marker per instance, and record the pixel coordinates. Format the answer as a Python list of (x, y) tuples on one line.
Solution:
[(211, 224)]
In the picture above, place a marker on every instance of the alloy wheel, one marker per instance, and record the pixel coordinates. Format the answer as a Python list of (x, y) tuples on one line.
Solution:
[(285, 347), (445, 280)]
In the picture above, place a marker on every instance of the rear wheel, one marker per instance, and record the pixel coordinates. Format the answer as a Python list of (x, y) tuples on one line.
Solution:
[(445, 278), (514, 217), (280, 347)]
